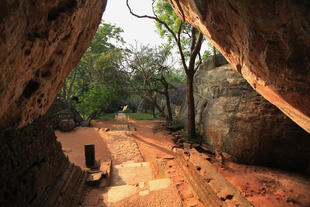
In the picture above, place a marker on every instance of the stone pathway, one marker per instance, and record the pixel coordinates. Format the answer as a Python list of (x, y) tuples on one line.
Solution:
[(132, 182), (123, 148)]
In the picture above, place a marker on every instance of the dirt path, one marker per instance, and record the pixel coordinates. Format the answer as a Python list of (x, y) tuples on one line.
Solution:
[(263, 187), (156, 148), (133, 183)]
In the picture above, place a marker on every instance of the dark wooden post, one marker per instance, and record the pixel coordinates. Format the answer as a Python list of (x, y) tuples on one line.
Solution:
[(89, 155)]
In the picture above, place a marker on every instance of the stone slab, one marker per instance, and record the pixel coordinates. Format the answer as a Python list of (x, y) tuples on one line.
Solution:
[(159, 184)]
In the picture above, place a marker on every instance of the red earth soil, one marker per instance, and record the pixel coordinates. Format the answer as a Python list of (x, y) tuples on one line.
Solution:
[(263, 187)]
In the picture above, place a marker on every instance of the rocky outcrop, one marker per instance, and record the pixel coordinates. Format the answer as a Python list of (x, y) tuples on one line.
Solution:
[(34, 171), (145, 106), (40, 43), (63, 116), (234, 118), (268, 42)]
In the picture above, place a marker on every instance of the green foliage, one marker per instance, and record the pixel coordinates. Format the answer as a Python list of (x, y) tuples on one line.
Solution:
[(84, 84), (95, 101), (165, 13), (107, 116), (140, 116), (139, 71), (106, 37)]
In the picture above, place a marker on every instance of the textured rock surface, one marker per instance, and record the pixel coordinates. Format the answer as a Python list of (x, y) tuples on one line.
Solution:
[(40, 43), (66, 125), (233, 118), (33, 170), (60, 110), (268, 42)]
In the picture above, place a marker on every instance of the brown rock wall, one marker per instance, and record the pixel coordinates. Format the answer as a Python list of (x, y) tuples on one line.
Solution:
[(268, 42), (33, 169), (40, 43)]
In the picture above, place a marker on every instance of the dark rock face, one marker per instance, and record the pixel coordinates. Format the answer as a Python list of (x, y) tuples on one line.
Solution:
[(233, 118), (66, 125), (33, 168), (268, 42), (145, 106), (61, 112), (40, 43), (177, 94)]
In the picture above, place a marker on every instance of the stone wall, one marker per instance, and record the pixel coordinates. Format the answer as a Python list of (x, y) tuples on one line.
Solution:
[(234, 118)]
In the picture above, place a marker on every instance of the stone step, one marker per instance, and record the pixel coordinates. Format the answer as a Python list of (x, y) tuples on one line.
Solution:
[(131, 173), (159, 192)]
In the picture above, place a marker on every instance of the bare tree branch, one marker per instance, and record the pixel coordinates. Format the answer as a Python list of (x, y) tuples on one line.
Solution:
[(178, 41)]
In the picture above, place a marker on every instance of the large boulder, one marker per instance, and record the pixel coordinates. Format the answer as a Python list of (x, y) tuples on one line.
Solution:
[(40, 43), (62, 115), (66, 125), (268, 42), (145, 106), (177, 95), (234, 118)]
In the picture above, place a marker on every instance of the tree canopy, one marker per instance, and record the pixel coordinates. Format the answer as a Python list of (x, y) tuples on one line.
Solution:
[(84, 85)]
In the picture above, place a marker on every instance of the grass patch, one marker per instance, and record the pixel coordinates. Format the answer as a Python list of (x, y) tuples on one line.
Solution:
[(107, 116), (140, 116), (135, 116)]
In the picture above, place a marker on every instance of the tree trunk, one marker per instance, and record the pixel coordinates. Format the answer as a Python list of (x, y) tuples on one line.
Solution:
[(69, 100), (214, 57), (168, 104), (157, 106), (153, 112), (190, 105)]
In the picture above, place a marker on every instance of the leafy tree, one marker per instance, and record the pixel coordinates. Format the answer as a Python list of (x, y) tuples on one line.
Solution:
[(83, 85), (95, 101), (141, 71), (188, 41)]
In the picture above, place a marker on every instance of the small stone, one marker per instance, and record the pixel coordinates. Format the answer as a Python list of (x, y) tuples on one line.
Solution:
[(144, 192), (141, 185), (85, 123), (195, 145), (187, 145), (94, 177), (168, 157), (67, 150)]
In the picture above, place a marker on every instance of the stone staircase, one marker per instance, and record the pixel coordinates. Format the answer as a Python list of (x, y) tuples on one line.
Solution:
[(132, 182), (121, 122), (133, 185)]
